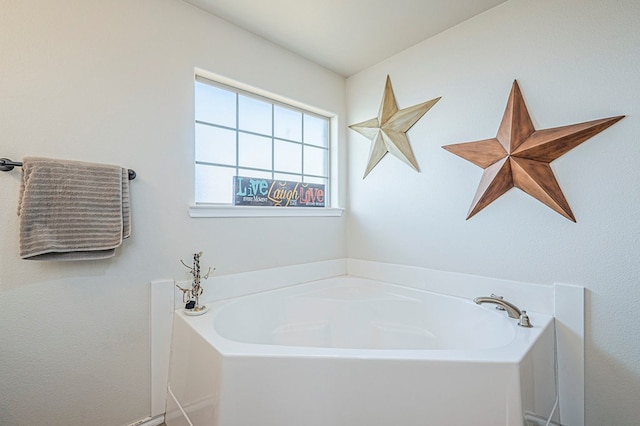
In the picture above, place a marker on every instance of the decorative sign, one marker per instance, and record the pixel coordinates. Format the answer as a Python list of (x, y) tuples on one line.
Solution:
[(250, 191)]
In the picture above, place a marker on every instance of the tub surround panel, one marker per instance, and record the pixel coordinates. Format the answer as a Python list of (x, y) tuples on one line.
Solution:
[(527, 296), (566, 302), (535, 365), (219, 287), (571, 334), (165, 297), (362, 392), (194, 378)]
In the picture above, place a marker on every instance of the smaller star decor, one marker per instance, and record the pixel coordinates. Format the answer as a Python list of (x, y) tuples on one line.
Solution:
[(519, 156), (388, 130)]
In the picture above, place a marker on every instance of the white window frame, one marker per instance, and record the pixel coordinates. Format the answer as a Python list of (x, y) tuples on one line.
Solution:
[(204, 210)]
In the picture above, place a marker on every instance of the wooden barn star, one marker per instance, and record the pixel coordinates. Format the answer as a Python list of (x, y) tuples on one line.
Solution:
[(519, 156), (388, 130)]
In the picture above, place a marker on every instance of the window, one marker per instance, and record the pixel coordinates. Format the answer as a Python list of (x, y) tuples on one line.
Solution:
[(240, 134)]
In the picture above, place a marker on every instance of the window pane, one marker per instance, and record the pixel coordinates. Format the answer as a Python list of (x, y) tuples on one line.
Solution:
[(254, 115), (215, 145), (214, 184), (254, 151), (214, 105), (286, 176), (317, 180), (315, 161), (287, 156), (287, 123), (254, 174), (316, 130), (238, 133)]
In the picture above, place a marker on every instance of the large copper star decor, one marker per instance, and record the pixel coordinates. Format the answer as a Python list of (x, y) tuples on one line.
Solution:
[(519, 156), (388, 130)]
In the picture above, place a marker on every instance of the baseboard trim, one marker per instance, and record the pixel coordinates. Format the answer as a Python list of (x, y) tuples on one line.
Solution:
[(149, 421)]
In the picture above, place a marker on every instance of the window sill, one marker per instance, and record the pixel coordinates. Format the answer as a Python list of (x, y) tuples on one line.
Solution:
[(201, 211)]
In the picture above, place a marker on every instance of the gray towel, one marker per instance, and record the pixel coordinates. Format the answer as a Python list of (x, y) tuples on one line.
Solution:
[(71, 210)]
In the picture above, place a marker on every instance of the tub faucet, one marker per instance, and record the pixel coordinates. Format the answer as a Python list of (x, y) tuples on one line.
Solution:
[(512, 310)]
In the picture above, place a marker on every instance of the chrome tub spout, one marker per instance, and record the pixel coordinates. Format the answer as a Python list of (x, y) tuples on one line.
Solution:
[(512, 310)]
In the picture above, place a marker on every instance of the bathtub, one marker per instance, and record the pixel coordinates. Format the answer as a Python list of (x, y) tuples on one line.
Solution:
[(349, 351)]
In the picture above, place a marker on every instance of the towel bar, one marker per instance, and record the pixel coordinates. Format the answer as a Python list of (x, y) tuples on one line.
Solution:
[(8, 165)]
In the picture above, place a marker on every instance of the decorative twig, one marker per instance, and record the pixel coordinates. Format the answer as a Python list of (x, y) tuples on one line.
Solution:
[(196, 290)]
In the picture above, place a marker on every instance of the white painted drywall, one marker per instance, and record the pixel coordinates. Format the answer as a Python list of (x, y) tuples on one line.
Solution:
[(575, 61), (112, 82)]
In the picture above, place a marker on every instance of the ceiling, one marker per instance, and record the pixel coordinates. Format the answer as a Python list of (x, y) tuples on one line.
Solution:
[(345, 36)]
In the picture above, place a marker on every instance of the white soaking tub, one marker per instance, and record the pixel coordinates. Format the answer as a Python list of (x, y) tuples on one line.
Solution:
[(349, 351)]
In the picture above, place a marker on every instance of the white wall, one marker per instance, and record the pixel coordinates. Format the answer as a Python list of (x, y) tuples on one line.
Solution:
[(575, 61), (112, 81)]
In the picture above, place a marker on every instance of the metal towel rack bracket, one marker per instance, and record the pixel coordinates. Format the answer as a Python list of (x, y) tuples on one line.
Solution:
[(7, 165)]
